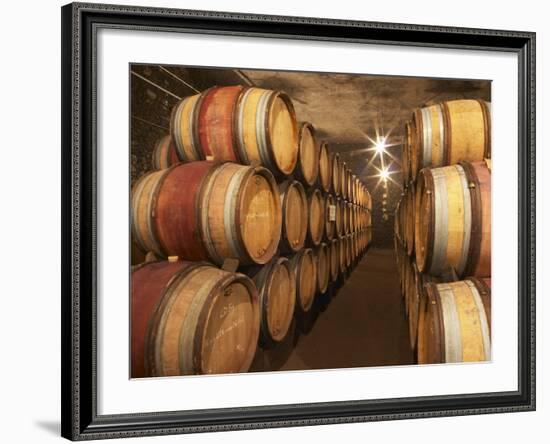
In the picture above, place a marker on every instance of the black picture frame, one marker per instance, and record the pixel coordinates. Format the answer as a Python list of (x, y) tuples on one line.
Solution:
[(78, 334)]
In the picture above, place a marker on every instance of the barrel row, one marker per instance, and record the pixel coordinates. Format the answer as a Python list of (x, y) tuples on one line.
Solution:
[(444, 134), (254, 126), (442, 231), (331, 216), (195, 318), (449, 320), (233, 211), (315, 167)]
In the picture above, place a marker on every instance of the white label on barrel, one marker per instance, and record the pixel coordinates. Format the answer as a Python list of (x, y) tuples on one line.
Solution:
[(332, 213)]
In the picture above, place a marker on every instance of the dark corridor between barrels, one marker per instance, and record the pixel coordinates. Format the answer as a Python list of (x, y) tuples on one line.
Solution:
[(361, 324)]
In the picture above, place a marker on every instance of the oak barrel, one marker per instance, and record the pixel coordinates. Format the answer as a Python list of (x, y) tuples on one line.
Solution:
[(406, 154), (316, 216), (164, 153), (455, 322), (450, 132), (304, 266), (252, 126), (339, 221), (349, 253), (330, 216), (191, 318), (342, 254), (334, 247), (294, 207), (276, 284), (325, 168), (307, 165), (347, 217), (207, 211), (336, 170), (409, 219), (343, 177), (323, 267), (414, 296), (453, 220)]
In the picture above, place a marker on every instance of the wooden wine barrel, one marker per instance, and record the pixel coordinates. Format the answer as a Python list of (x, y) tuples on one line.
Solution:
[(336, 170), (402, 218), (396, 234), (347, 240), (323, 267), (406, 277), (455, 325), (409, 219), (339, 222), (191, 318), (207, 211), (330, 216), (451, 132), (453, 220), (351, 186), (334, 259), (304, 266), (276, 284), (406, 154), (294, 207), (325, 168), (316, 216), (252, 126), (164, 153), (307, 166), (352, 248), (342, 254), (342, 175), (347, 218), (399, 251), (414, 296)]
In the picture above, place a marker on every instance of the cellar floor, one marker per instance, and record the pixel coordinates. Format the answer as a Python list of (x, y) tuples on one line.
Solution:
[(361, 324)]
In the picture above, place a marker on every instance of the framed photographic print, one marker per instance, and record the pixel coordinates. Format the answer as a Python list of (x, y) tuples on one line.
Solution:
[(278, 221)]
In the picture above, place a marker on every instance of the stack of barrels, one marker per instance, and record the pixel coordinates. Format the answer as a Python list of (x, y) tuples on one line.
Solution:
[(245, 219), (442, 231)]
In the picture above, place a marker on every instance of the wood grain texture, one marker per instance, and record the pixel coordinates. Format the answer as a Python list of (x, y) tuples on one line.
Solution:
[(323, 267), (330, 223), (307, 165), (336, 171), (452, 222), (294, 207), (316, 216), (454, 322), (448, 133), (304, 266), (276, 283), (164, 153), (325, 168), (226, 211), (191, 318)]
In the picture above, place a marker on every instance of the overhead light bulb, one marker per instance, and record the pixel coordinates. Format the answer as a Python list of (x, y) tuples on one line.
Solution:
[(380, 146)]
